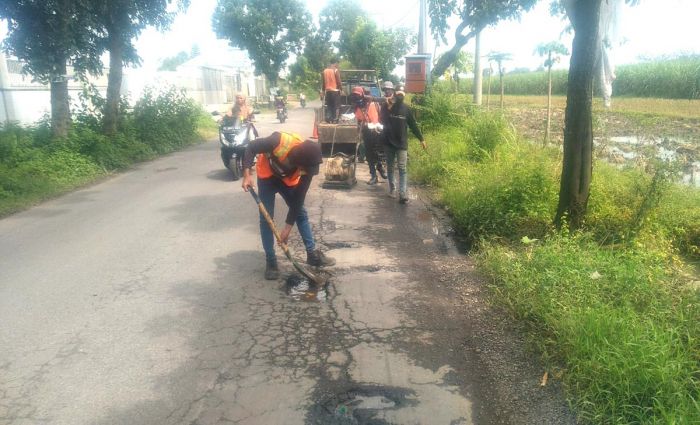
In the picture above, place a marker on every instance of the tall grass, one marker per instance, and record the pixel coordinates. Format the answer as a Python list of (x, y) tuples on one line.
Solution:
[(677, 78), (612, 307)]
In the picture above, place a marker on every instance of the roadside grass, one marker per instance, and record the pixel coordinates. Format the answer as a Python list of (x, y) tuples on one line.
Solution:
[(620, 322), (613, 309), (33, 167)]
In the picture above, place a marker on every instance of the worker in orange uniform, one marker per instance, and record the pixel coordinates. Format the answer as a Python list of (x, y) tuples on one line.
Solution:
[(367, 117), (286, 164), (330, 91)]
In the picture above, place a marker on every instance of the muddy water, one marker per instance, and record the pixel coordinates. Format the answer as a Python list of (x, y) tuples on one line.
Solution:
[(299, 288), (628, 149)]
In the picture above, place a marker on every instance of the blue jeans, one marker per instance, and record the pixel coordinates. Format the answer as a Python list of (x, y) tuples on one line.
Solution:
[(400, 156), (267, 189)]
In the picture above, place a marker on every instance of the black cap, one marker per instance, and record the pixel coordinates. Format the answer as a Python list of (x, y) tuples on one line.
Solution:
[(307, 155)]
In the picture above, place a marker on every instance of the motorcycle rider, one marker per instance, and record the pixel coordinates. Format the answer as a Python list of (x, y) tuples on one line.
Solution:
[(302, 100), (240, 109), (286, 164)]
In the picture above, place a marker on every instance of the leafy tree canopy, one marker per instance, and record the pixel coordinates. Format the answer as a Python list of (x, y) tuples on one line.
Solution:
[(171, 63), (372, 48), (474, 16), (47, 34), (340, 18), (268, 29)]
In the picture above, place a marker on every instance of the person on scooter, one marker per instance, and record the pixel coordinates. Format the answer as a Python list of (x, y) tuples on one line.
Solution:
[(366, 113), (240, 109), (286, 165)]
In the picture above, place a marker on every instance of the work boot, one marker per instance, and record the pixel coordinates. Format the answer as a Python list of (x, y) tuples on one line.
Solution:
[(392, 193), (403, 199), (380, 169), (372, 181), (318, 259), (271, 270)]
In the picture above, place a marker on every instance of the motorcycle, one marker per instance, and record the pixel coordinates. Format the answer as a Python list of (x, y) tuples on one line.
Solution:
[(234, 137), (302, 102), (281, 107)]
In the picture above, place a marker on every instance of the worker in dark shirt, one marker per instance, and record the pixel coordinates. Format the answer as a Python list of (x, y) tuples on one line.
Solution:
[(397, 118), (285, 165)]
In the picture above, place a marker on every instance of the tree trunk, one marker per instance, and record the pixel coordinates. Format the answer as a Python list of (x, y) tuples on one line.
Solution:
[(549, 102), (488, 92), (577, 166), (114, 83), (449, 57), (60, 103), (477, 70), (502, 91)]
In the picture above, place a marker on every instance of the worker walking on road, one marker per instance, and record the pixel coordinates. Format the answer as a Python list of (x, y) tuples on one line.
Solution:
[(286, 164), (396, 117), (330, 91)]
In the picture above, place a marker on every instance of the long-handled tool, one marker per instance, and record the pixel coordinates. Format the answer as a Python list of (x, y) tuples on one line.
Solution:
[(316, 280)]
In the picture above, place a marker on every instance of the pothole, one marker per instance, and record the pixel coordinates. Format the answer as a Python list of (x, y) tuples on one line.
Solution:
[(363, 405), (338, 245), (300, 289)]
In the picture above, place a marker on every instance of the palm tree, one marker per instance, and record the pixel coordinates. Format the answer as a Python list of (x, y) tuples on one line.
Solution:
[(553, 51), (499, 58)]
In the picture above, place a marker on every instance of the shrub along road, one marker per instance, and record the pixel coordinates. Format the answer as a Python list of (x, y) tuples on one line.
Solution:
[(141, 300)]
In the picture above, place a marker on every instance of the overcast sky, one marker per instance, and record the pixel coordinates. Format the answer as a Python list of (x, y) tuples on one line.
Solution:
[(653, 28)]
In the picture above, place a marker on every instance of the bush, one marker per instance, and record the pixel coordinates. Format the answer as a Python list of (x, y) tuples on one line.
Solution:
[(165, 121), (34, 166)]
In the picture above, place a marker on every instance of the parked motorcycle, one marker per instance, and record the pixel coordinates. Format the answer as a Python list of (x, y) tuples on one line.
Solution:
[(234, 136)]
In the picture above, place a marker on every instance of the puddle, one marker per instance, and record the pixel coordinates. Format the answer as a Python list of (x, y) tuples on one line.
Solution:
[(623, 149), (364, 405), (299, 289)]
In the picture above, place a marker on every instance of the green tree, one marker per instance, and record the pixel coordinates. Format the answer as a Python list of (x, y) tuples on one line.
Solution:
[(123, 21), (268, 29), (171, 63), (499, 58), (317, 52), (340, 19), (553, 51), (372, 48), (577, 166), (303, 77), (474, 16), (47, 35)]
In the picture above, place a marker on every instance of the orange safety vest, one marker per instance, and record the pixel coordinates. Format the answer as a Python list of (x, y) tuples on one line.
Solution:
[(369, 116), (264, 169), (330, 80)]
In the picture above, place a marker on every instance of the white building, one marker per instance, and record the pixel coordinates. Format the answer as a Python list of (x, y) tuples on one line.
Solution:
[(26, 101), (212, 79)]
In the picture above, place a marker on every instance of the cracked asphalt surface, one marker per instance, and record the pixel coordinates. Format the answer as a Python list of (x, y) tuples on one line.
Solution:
[(140, 300)]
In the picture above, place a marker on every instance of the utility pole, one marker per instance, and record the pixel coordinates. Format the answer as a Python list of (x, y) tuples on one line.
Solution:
[(477, 69), (422, 29)]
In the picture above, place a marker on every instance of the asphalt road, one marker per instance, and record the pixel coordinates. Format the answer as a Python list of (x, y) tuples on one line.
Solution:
[(140, 300)]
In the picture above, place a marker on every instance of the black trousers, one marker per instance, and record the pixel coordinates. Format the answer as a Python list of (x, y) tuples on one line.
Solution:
[(332, 99)]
